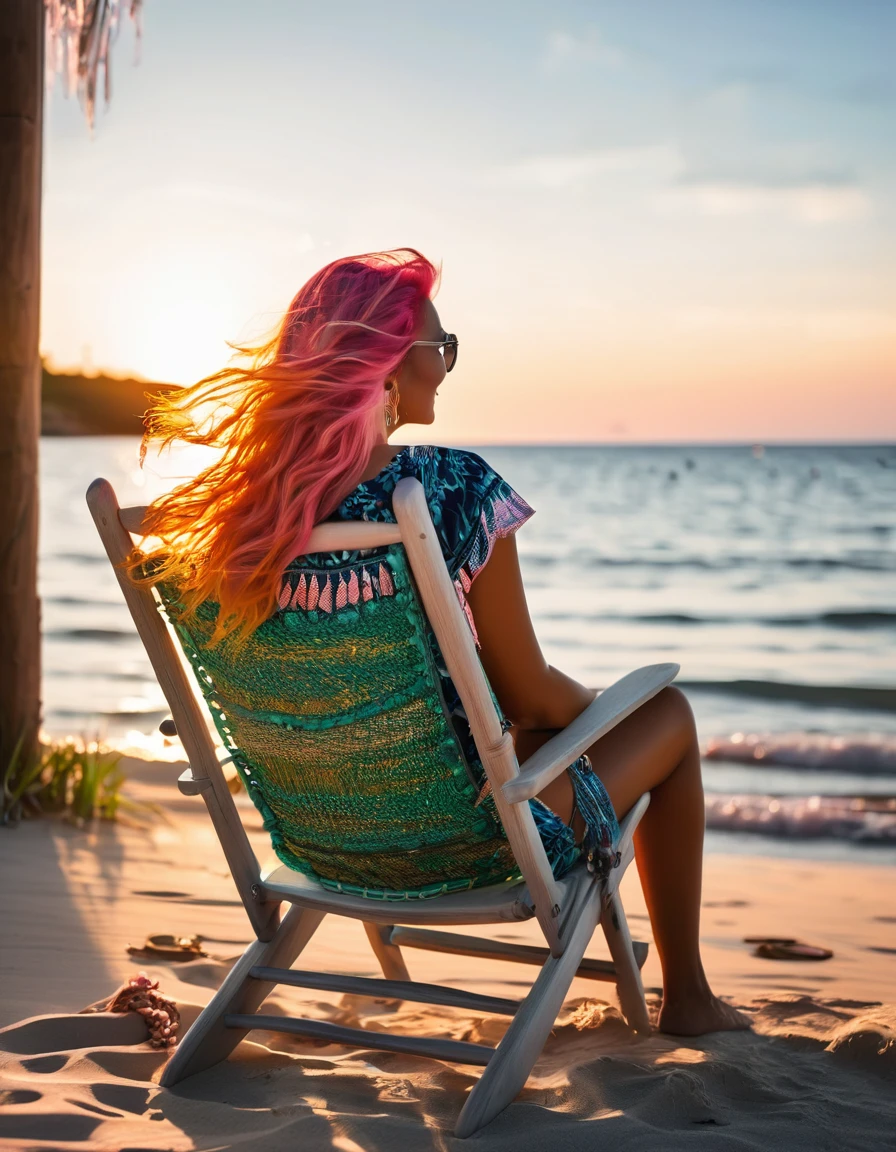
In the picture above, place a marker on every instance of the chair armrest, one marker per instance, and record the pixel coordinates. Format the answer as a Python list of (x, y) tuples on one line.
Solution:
[(603, 714)]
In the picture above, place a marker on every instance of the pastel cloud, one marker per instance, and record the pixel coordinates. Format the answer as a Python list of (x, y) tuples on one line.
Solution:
[(809, 203), (564, 49), (561, 170)]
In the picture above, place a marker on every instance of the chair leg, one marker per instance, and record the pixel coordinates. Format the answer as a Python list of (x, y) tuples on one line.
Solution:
[(628, 975), (509, 1068), (209, 1040), (388, 954)]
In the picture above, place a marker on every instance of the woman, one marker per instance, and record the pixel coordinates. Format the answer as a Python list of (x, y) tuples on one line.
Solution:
[(303, 435)]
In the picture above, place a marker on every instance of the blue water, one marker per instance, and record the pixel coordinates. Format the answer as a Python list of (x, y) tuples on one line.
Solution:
[(768, 575)]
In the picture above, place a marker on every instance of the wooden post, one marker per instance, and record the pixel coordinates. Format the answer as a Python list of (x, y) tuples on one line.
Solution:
[(21, 115)]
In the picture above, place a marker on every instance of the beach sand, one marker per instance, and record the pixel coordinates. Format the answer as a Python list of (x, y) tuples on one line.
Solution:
[(817, 1072)]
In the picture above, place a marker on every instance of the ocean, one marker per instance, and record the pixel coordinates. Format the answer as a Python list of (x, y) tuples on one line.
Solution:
[(767, 573)]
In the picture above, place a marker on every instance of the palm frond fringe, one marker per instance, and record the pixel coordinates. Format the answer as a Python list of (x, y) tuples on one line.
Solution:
[(79, 36)]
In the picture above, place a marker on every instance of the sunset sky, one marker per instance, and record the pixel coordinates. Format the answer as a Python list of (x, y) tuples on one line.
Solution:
[(658, 221)]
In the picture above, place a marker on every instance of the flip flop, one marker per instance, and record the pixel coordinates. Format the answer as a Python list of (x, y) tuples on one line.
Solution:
[(770, 940), (163, 947), (791, 950)]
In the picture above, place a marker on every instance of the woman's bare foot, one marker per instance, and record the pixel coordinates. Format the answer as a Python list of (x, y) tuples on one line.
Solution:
[(700, 1014)]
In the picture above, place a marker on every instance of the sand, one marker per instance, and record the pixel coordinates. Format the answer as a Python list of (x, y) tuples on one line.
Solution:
[(817, 1072)]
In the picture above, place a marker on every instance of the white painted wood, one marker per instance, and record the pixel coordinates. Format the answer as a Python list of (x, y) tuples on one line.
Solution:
[(388, 954), (628, 976), (209, 1040), (457, 1051), (458, 648), (509, 1068), (495, 904), (499, 903), (630, 822), (334, 536), (185, 709), (414, 991), (611, 707), (132, 519), (625, 845), (544, 893), (459, 945)]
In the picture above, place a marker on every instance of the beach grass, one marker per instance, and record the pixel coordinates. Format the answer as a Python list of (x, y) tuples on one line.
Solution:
[(80, 779)]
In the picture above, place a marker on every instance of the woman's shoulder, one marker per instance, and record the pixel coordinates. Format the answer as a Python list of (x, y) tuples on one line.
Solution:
[(471, 505), (449, 469)]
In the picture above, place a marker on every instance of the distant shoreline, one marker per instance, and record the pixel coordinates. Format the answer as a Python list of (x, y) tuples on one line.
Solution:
[(76, 405)]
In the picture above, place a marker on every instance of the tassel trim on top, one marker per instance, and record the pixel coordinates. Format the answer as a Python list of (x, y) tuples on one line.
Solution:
[(330, 591)]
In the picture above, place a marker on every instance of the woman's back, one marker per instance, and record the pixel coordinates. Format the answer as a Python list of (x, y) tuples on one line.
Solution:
[(341, 716)]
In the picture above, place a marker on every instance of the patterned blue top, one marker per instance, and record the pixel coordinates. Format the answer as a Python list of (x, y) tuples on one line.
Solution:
[(471, 507)]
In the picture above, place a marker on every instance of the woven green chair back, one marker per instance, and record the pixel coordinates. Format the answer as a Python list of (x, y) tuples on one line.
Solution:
[(334, 716)]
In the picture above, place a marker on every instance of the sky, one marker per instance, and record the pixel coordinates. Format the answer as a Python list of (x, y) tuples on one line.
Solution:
[(657, 220)]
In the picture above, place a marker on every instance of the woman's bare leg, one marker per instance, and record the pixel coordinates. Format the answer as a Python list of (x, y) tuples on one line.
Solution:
[(655, 750)]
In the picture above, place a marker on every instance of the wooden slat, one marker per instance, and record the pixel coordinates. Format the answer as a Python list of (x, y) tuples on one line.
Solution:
[(389, 956), (132, 519), (495, 747), (185, 709), (603, 714), (209, 1040), (457, 1051), (496, 904), (625, 845), (629, 988), (460, 945), (390, 989), (336, 536), (524, 1040)]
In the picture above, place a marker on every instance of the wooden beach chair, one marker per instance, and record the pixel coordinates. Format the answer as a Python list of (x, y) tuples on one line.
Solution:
[(567, 910)]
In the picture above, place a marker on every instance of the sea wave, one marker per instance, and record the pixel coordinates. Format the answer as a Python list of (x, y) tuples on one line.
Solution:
[(76, 557), (868, 755), (149, 716), (859, 819), (856, 697), (846, 618), (81, 601), (875, 562), (110, 635)]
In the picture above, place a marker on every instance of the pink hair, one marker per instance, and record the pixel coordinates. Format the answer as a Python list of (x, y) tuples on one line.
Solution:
[(295, 430)]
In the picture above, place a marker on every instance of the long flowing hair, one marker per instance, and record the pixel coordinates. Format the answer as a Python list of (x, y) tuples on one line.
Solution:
[(294, 429)]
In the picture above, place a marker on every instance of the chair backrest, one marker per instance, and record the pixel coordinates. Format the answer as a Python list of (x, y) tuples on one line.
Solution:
[(333, 713)]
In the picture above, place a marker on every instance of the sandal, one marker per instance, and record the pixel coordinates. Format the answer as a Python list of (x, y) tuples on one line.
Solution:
[(783, 948), (164, 947)]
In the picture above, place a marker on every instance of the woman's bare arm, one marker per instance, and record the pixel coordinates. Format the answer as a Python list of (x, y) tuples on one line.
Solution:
[(534, 695), (654, 750)]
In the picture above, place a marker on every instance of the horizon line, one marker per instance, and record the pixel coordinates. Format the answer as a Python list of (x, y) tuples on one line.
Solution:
[(463, 443), (740, 443)]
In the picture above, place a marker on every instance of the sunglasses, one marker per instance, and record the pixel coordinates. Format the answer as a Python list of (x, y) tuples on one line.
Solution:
[(447, 347)]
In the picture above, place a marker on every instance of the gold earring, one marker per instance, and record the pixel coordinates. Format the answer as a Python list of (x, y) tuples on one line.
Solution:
[(392, 405)]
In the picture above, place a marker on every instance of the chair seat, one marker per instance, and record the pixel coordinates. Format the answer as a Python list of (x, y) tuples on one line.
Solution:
[(495, 904)]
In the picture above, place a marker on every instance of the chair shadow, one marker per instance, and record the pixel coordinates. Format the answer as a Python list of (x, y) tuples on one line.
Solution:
[(55, 905)]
